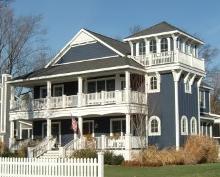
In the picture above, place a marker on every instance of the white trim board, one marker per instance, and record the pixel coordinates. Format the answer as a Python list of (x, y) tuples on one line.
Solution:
[(77, 73)]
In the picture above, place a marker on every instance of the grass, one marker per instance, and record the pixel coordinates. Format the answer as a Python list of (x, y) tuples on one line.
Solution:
[(203, 170)]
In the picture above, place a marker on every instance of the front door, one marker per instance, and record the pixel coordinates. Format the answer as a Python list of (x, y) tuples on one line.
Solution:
[(55, 131), (88, 127)]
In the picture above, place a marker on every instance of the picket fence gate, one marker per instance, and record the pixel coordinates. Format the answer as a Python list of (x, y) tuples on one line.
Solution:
[(61, 167)]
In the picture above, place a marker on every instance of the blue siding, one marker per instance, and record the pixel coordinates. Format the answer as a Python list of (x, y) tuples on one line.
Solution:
[(188, 105), (162, 104), (95, 50)]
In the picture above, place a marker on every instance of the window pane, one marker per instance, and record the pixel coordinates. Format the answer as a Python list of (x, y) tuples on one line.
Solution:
[(100, 86), (91, 87), (43, 92), (110, 84), (116, 126), (122, 85), (58, 91)]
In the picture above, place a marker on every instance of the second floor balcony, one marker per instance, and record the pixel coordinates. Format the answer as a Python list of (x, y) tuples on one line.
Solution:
[(80, 100), (171, 57)]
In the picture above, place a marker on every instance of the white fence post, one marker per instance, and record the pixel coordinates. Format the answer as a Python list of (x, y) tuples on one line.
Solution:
[(100, 164)]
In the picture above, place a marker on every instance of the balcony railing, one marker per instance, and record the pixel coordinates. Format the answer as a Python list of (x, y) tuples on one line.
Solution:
[(171, 57), (88, 99)]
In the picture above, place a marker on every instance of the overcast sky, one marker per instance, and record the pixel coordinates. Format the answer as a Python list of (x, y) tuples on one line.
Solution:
[(63, 18)]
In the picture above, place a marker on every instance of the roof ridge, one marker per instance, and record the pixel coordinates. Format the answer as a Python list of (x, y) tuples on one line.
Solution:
[(104, 36)]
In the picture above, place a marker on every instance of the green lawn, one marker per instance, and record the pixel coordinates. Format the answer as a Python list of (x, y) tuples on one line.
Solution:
[(204, 170)]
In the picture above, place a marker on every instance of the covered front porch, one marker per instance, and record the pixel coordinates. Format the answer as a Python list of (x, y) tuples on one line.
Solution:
[(121, 133), (116, 131)]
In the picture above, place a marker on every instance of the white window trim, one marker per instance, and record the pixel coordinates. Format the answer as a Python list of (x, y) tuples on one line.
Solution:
[(184, 118), (190, 87), (41, 91), (193, 133), (93, 126), (159, 126), (200, 99), (116, 119), (157, 75), (56, 86)]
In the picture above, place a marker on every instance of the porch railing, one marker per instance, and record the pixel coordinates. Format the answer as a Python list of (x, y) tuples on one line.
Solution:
[(88, 99), (170, 57)]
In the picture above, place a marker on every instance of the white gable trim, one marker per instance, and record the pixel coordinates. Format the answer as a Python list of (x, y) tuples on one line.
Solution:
[(68, 46)]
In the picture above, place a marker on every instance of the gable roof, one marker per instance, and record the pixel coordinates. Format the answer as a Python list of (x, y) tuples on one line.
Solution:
[(119, 47), (160, 28), (83, 66)]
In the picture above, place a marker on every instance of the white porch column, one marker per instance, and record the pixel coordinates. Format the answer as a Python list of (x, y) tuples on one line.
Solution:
[(128, 137), (12, 99), (176, 77), (158, 44), (132, 48), (137, 48), (169, 44), (210, 129), (147, 46), (12, 133), (128, 124), (80, 123), (127, 86), (198, 86), (48, 94), (80, 91), (146, 126), (49, 128)]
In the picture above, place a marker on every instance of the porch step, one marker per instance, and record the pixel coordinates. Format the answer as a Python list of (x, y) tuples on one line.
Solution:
[(51, 154)]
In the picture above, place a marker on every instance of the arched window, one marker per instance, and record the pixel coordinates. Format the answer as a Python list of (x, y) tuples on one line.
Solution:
[(153, 46), (164, 45), (187, 86), (154, 126), (153, 83), (142, 49), (193, 126), (184, 125)]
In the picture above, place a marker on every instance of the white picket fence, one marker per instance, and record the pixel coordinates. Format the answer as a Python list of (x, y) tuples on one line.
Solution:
[(37, 167)]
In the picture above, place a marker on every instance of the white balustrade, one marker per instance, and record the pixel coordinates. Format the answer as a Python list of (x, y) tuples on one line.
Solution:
[(42, 167), (170, 57), (39, 104), (71, 101), (138, 142), (97, 98)]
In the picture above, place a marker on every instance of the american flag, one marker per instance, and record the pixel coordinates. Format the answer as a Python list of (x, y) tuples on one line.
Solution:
[(74, 124)]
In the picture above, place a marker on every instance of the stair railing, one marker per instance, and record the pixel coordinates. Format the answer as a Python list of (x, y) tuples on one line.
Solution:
[(44, 146), (75, 144)]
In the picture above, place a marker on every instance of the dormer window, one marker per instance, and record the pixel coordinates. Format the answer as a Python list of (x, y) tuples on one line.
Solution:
[(164, 45), (153, 46), (142, 48)]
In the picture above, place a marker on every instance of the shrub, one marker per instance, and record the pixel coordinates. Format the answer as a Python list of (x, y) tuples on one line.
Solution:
[(108, 157), (85, 153), (117, 159), (111, 159), (22, 152), (200, 149)]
